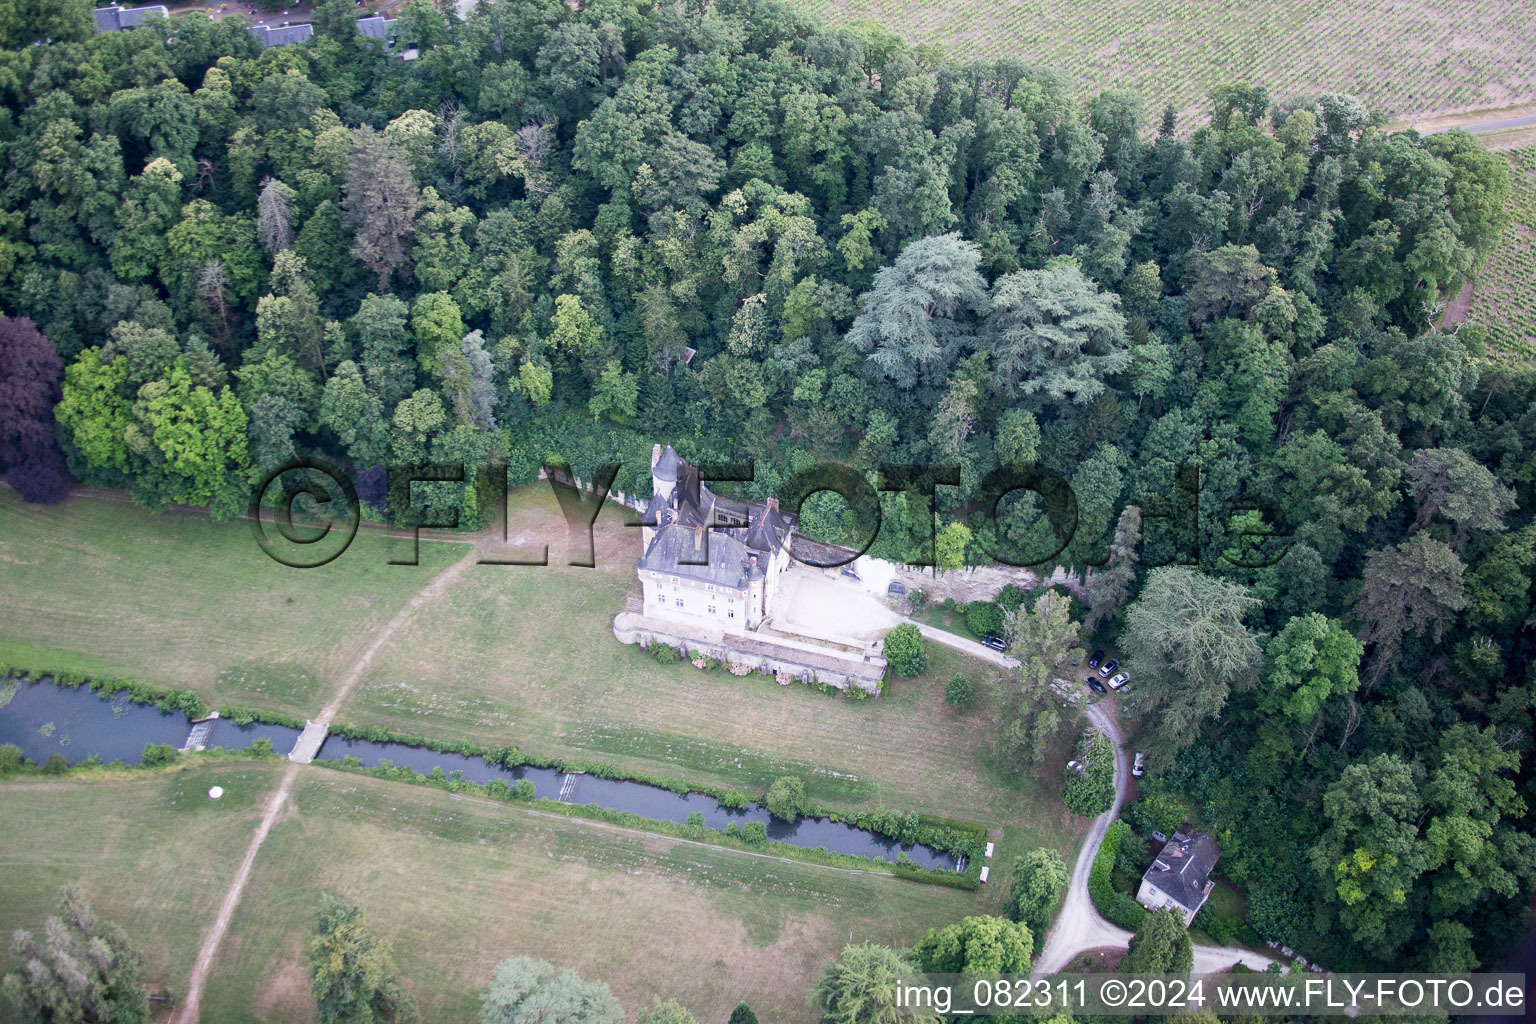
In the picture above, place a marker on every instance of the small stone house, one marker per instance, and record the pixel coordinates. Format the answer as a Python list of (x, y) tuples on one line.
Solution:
[(1180, 876)]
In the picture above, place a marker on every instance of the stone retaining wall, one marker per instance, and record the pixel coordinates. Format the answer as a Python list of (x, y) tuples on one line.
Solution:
[(742, 655)]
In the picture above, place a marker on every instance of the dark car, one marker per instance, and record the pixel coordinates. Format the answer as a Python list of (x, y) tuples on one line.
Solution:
[(1095, 685), (1095, 658), (1108, 668), (995, 642)]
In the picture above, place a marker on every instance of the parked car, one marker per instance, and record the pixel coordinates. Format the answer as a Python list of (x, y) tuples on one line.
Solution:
[(1119, 681), (1076, 766), (1094, 684), (896, 587), (1159, 836), (1108, 668), (850, 574), (1096, 658), (1139, 766), (995, 642)]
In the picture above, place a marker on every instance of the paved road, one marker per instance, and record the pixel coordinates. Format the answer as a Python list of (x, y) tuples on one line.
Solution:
[(964, 645), (1528, 121), (1079, 926)]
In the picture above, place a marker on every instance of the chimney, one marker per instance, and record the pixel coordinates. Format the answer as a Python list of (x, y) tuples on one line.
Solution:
[(655, 455), (698, 537), (773, 504)]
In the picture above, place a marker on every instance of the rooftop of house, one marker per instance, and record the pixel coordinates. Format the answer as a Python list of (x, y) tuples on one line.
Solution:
[(282, 35), (375, 26), (1183, 868), (700, 535), (115, 18)]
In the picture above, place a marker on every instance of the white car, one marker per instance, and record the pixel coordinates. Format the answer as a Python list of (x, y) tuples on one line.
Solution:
[(1076, 766), (1139, 766), (1119, 681)]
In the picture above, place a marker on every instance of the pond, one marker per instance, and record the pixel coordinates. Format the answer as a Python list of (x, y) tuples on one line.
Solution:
[(44, 719), (640, 798)]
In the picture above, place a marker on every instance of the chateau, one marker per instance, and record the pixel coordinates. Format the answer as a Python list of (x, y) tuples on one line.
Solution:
[(714, 572), (707, 559)]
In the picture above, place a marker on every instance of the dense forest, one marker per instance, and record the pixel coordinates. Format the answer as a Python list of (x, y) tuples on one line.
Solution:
[(570, 233)]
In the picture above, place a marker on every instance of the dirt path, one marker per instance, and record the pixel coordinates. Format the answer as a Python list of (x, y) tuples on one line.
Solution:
[(189, 1007), (1079, 926), (1503, 128), (188, 1014)]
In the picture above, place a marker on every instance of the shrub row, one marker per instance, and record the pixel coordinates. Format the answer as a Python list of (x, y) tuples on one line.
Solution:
[(163, 697), (245, 716), (743, 838), (156, 756), (1115, 905), (512, 757)]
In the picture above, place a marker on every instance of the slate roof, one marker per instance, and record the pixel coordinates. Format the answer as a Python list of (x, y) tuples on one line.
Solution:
[(116, 18), (1183, 868), (375, 26), (282, 35), (683, 529), (674, 548)]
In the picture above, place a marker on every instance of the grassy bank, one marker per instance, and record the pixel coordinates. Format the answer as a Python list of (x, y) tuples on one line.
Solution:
[(105, 589)]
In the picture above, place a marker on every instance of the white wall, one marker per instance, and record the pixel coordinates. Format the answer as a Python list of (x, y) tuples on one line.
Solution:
[(668, 597)]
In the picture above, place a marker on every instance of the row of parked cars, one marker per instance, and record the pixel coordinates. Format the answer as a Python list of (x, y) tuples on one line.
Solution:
[(1107, 670)]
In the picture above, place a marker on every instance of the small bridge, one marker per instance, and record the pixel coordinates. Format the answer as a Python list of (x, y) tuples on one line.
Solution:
[(308, 743), (568, 787), (197, 739)]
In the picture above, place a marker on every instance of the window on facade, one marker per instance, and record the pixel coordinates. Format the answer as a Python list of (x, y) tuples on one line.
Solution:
[(732, 614), (711, 609), (679, 602)]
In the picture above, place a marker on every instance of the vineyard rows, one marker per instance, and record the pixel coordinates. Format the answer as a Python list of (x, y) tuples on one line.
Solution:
[(1411, 58), (1505, 298)]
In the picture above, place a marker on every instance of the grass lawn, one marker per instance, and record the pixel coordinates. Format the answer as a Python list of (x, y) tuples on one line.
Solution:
[(149, 851), (459, 884), (103, 587), (526, 656)]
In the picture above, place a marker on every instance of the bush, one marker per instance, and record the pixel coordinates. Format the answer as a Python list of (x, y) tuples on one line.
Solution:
[(786, 798), (959, 692), (1091, 792), (754, 832), (261, 748), (663, 654), (11, 759), (57, 764), (157, 754), (983, 618), (905, 651), (1010, 597), (1222, 930), (695, 819), (1115, 905), (523, 789), (742, 1015)]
